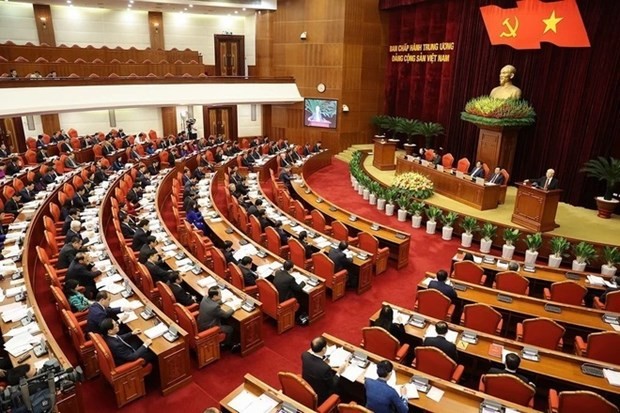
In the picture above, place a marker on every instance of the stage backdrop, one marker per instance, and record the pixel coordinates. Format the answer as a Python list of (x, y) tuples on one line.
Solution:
[(441, 57)]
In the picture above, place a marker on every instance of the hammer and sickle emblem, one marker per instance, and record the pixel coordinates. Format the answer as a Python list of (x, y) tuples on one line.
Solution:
[(512, 30)]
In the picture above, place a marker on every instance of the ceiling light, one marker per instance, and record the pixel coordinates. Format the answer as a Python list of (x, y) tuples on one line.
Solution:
[(129, 6), (68, 1), (131, 1), (191, 5), (236, 12), (185, 9), (244, 9)]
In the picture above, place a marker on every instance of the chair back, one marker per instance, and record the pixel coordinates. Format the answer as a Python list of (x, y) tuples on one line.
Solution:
[(55, 211), (75, 331), (481, 317), (236, 277), (568, 292), (8, 192), (61, 300), (468, 271), (505, 175), (352, 408), (219, 263), (433, 361), (51, 243), (429, 155), (298, 389), (269, 297), (508, 387), (323, 267), (167, 299), (104, 356), (463, 165), (447, 160), (186, 320), (485, 168), (379, 341), (542, 332), (318, 220), (513, 282), (297, 253), (433, 303), (273, 240), (31, 157), (50, 226), (69, 190), (584, 401), (600, 347), (299, 211), (340, 231), (72, 133), (368, 243), (612, 301), (256, 232), (98, 151)]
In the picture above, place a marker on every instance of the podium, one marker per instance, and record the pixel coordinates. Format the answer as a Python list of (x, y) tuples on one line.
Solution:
[(535, 208), (384, 154), (497, 146)]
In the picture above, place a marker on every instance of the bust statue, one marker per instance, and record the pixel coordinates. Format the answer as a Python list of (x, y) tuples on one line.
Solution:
[(506, 90)]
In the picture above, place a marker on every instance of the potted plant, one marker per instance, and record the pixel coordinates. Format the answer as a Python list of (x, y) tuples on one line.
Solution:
[(559, 246), (609, 172), (469, 226), (415, 209), (409, 128), (362, 182), (584, 253), (374, 187), (381, 194), (366, 191), (390, 198), (380, 121), (433, 214), (448, 221), (487, 232), (510, 237), (429, 130), (533, 243), (611, 255), (403, 202)]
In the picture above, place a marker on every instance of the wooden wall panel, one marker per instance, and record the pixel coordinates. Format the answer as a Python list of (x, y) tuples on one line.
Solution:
[(51, 123), (169, 120), (264, 46), (45, 24), (156, 30)]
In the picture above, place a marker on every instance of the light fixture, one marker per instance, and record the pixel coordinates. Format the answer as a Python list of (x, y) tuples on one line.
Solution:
[(303, 35), (43, 22), (236, 11), (345, 108), (68, 1), (191, 5), (156, 26), (244, 9), (129, 6)]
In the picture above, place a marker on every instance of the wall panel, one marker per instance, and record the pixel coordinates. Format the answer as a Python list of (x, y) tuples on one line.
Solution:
[(17, 23)]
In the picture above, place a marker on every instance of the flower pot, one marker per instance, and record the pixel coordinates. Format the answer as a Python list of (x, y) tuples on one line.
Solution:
[(430, 227), (446, 233), (402, 215), (466, 239), (409, 147), (389, 210), (360, 190), (372, 199), (353, 179), (366, 194), (355, 185), (380, 204), (605, 208), (578, 266), (507, 251), (607, 270), (485, 245), (530, 257), (554, 261), (416, 221)]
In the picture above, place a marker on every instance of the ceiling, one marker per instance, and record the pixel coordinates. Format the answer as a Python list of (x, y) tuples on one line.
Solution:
[(218, 7)]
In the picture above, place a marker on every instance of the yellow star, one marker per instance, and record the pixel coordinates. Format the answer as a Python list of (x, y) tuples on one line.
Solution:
[(552, 22)]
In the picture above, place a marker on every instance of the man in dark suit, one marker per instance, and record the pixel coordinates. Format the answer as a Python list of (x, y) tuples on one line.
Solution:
[(286, 177), (547, 182), (157, 271), (441, 285), (141, 235), (211, 314), (229, 252), (283, 235), (65, 146), (135, 193), (380, 396), (253, 209), (75, 229), (4, 152), (440, 341), (249, 275), (70, 161), (285, 283), (99, 311), (615, 280), (12, 167), (121, 345), (176, 285), (80, 200), (317, 147), (27, 193), (81, 270), (477, 172), (147, 249), (68, 252), (51, 175), (308, 249), (337, 255), (511, 366), (497, 177), (127, 227), (317, 372), (12, 205)]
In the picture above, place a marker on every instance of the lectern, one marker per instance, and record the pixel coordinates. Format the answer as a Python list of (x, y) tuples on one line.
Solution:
[(384, 154), (535, 208)]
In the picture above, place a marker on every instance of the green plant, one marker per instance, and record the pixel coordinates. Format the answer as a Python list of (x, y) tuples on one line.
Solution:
[(533, 241), (416, 207), (374, 187), (328, 108), (584, 252), (390, 195), (429, 130), (381, 192), (380, 122), (604, 170), (449, 219), (408, 127), (391, 124), (511, 235), (611, 255), (559, 246), (489, 111), (469, 225), (488, 231), (403, 200), (433, 213)]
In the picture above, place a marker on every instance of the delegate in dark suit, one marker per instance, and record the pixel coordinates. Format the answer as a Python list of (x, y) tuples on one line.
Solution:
[(444, 288), (319, 375), (139, 239), (84, 276), (27, 195), (11, 207), (341, 262), (182, 296), (157, 272), (66, 256), (286, 285), (249, 276), (211, 314), (540, 182), (497, 370), (96, 314), (477, 172), (442, 344), (497, 179), (122, 351), (382, 398)]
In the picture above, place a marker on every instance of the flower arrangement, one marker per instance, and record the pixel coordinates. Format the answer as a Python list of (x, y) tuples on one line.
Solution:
[(417, 185), (488, 111)]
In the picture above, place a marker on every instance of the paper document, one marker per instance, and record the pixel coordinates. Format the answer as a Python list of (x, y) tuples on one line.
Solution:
[(435, 394), (338, 357), (156, 331), (412, 391), (242, 400), (613, 377), (450, 336), (596, 280), (352, 372), (32, 328), (399, 317), (262, 404), (112, 288), (127, 317), (207, 282), (426, 281)]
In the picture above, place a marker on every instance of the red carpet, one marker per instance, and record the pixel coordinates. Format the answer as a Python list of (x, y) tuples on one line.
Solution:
[(343, 319)]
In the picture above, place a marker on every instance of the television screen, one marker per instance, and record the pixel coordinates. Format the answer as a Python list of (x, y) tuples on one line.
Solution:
[(320, 113)]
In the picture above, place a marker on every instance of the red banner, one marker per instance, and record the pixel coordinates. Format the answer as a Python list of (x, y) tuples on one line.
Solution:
[(533, 22)]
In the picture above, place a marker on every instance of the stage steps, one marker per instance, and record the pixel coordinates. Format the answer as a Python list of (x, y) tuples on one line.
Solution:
[(347, 154)]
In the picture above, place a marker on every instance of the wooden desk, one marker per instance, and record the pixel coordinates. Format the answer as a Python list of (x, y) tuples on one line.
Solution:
[(535, 208), (256, 387), (383, 154), (456, 398), (554, 364), (481, 197)]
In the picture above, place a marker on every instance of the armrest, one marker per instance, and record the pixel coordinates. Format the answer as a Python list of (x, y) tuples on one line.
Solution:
[(580, 346), (598, 304), (458, 372), (483, 279), (547, 294), (291, 303), (329, 405), (499, 326), (519, 331), (192, 308), (450, 312), (481, 386), (128, 367), (251, 290), (402, 352), (208, 332), (554, 401), (341, 274)]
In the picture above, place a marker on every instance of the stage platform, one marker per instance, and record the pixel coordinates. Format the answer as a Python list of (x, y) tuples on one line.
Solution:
[(575, 222)]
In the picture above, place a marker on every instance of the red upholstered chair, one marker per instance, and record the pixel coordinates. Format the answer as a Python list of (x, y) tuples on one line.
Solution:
[(434, 304), (256, 232), (504, 187), (206, 344), (282, 312), (31, 157), (463, 165), (378, 341), (481, 317), (163, 159), (18, 184), (324, 268), (84, 348), (612, 302), (429, 155), (541, 332), (51, 227), (300, 213), (52, 244), (298, 254), (72, 133), (152, 135), (380, 256), (433, 361), (512, 282), (203, 247), (146, 284), (341, 233), (127, 380), (599, 347), (63, 304), (507, 387), (53, 277), (299, 390), (31, 143), (469, 272), (578, 402), (236, 277), (219, 264), (485, 168), (243, 221), (168, 301), (352, 408), (318, 222), (567, 292), (76, 144), (447, 161), (274, 243), (45, 259), (97, 151)]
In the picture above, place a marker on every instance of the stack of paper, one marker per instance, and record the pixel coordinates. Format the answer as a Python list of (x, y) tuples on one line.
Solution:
[(352, 372), (156, 331), (262, 404), (242, 400), (399, 317), (125, 303), (12, 292), (613, 377), (21, 343), (338, 357), (32, 328), (244, 251), (451, 335), (184, 261), (266, 270), (596, 280)]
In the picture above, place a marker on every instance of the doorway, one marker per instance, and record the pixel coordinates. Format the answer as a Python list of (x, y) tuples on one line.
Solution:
[(229, 55), (221, 120)]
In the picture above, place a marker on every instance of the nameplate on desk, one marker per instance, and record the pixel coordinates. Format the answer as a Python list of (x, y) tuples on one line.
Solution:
[(504, 298), (308, 190), (491, 406), (572, 276), (229, 230), (469, 337), (352, 218), (421, 383), (479, 181), (529, 268), (333, 208), (171, 335), (592, 370), (319, 200), (287, 408), (417, 321), (313, 234), (362, 256), (530, 354), (147, 314), (261, 254), (440, 168), (179, 256), (611, 319), (313, 281), (248, 306), (459, 174), (488, 259), (459, 287), (196, 270), (400, 236), (243, 242), (553, 308), (375, 227)]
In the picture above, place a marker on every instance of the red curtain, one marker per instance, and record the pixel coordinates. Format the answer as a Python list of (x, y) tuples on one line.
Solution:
[(575, 91)]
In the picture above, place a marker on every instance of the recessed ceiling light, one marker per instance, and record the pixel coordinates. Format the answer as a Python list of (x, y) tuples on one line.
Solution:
[(185, 9), (244, 9), (68, 1), (191, 5), (236, 12), (131, 1)]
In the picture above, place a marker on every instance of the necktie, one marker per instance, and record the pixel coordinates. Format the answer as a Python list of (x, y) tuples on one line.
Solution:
[(124, 342), (546, 183)]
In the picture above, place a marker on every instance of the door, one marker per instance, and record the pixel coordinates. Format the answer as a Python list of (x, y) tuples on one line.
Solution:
[(221, 120), (229, 55)]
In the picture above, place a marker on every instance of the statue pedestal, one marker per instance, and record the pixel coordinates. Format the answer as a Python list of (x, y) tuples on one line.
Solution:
[(497, 146)]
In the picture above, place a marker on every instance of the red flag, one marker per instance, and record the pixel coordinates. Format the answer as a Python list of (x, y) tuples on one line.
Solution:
[(532, 22)]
